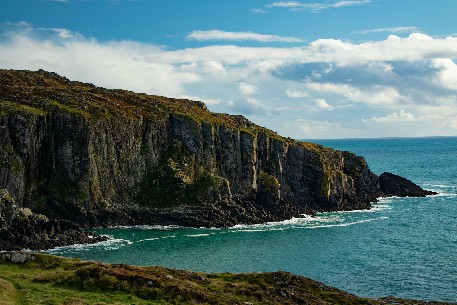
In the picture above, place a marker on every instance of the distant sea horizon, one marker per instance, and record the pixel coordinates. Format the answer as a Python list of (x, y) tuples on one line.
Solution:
[(374, 138)]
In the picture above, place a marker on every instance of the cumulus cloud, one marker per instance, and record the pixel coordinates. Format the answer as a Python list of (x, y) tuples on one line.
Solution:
[(376, 95), (238, 36), (395, 117), (322, 103), (247, 89), (411, 79), (316, 6), (258, 11), (113, 64), (319, 129), (398, 29), (296, 93)]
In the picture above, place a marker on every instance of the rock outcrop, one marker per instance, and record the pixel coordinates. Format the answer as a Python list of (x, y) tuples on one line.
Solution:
[(21, 228), (393, 185), (73, 151)]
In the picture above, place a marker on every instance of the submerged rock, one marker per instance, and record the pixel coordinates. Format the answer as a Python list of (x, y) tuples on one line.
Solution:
[(393, 185)]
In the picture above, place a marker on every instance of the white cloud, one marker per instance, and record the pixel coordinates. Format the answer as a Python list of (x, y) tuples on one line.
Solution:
[(258, 11), (114, 64), (296, 93), (377, 95), (247, 89), (316, 6), (63, 33), (316, 129), (398, 29), (321, 103), (447, 75), (395, 117), (411, 79), (238, 36)]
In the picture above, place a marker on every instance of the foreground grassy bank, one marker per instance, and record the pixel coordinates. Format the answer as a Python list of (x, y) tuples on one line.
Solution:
[(44, 279)]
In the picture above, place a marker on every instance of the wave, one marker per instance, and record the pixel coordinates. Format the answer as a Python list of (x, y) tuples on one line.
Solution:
[(348, 223), (374, 209), (199, 235), (439, 185), (442, 194), (293, 221), (149, 227), (156, 238), (110, 244)]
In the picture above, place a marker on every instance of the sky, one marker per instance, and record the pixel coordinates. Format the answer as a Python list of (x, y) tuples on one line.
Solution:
[(307, 69)]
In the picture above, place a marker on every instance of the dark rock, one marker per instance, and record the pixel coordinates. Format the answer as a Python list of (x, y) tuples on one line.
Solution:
[(393, 185), (20, 228), (85, 156)]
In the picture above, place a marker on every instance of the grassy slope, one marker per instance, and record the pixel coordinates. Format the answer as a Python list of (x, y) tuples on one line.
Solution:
[(53, 280), (40, 93)]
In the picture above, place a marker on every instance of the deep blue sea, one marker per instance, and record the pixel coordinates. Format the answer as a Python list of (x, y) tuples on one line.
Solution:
[(402, 247)]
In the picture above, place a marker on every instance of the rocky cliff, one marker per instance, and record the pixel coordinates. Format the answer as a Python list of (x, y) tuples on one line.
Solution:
[(94, 156)]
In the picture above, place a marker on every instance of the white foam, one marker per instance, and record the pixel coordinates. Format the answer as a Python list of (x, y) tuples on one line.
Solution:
[(149, 239), (347, 224), (442, 194), (156, 238), (259, 230), (149, 227), (110, 244), (439, 185), (198, 235), (374, 209), (295, 222)]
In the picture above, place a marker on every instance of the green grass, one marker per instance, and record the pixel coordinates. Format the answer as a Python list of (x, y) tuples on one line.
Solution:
[(53, 280), (6, 106), (42, 92)]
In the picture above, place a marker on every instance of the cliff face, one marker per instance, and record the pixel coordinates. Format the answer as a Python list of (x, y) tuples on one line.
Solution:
[(98, 157)]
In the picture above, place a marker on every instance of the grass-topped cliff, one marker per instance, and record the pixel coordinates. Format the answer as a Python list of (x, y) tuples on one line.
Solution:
[(20, 90), (43, 279), (76, 152)]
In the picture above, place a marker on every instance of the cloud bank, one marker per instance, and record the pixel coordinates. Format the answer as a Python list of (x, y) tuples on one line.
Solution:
[(328, 88)]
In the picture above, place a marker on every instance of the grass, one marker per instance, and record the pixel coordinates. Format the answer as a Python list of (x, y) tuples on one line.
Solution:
[(6, 107), (53, 280), (42, 92)]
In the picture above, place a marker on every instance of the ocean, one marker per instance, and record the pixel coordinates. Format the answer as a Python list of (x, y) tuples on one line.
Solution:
[(404, 247)]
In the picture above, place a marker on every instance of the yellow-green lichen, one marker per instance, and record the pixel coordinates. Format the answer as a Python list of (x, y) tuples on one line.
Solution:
[(268, 181), (70, 109), (6, 107)]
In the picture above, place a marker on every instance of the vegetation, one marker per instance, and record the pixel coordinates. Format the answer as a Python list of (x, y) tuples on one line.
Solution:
[(6, 107), (45, 279), (42, 92), (269, 182)]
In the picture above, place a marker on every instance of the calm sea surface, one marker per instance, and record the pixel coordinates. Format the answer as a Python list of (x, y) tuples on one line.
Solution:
[(402, 247)]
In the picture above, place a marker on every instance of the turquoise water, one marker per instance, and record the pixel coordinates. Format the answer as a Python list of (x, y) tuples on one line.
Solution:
[(402, 247)]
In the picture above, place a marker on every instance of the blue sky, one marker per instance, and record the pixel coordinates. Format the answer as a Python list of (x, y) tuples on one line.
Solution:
[(307, 69)]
